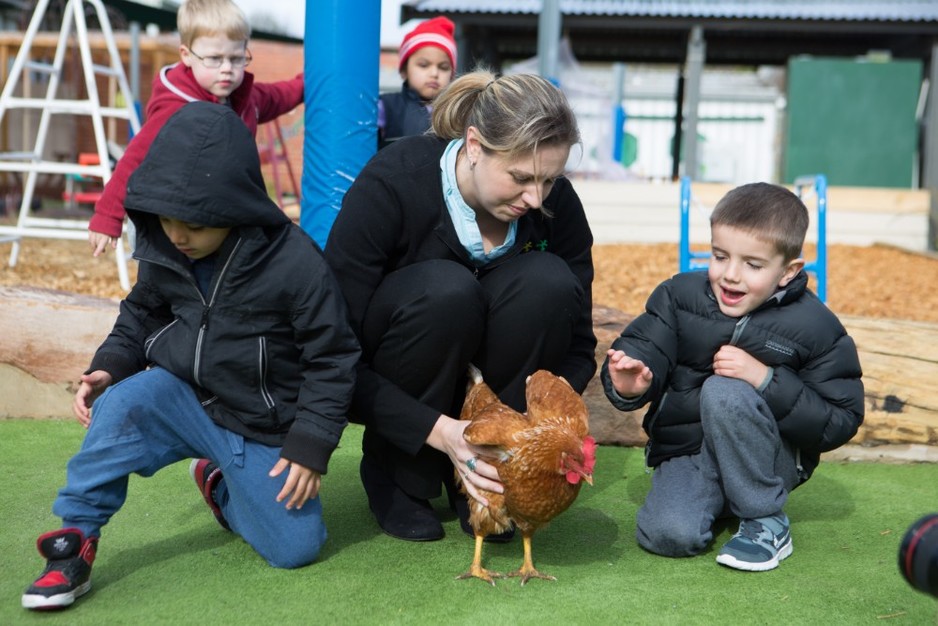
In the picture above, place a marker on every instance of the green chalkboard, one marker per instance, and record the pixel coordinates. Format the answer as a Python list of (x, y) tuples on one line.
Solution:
[(853, 120)]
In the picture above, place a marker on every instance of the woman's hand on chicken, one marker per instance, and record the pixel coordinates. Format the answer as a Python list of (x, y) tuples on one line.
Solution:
[(447, 437)]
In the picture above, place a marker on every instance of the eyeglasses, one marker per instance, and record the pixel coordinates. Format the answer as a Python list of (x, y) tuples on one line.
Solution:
[(215, 62)]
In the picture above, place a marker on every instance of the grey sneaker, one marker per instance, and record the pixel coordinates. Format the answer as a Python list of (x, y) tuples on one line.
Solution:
[(758, 545)]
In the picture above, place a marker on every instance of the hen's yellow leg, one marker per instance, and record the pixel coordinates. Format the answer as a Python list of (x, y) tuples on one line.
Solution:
[(527, 571), (476, 570)]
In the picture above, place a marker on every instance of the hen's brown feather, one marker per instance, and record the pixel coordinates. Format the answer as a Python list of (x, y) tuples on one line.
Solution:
[(549, 396), (530, 450)]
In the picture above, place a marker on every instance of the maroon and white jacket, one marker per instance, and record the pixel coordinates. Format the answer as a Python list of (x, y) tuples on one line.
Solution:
[(174, 86)]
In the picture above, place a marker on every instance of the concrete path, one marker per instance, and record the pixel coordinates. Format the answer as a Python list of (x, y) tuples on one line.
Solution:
[(624, 212)]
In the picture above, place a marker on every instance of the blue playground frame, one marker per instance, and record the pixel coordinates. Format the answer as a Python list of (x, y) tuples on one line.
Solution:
[(689, 260)]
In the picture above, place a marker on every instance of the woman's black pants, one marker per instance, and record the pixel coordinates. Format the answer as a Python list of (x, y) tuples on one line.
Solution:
[(428, 321)]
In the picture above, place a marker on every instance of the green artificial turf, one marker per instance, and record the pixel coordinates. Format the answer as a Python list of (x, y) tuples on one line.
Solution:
[(163, 559)]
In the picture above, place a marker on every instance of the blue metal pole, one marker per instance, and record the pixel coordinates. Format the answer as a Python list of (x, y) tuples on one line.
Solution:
[(684, 250), (821, 190), (618, 131), (341, 55), (618, 111), (819, 265)]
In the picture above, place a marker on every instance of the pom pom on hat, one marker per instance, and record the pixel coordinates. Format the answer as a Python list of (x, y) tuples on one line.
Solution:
[(434, 32)]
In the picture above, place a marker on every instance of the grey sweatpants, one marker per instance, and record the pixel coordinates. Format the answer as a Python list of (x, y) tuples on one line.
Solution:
[(744, 469)]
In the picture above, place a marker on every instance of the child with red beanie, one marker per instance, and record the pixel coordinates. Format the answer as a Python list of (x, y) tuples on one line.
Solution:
[(427, 65)]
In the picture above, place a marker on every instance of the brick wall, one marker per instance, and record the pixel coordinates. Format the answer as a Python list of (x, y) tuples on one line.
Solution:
[(275, 61)]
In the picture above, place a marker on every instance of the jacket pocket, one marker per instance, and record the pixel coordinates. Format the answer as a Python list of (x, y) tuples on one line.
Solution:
[(262, 363)]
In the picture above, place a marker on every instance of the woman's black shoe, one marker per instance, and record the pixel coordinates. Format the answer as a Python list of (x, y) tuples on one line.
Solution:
[(398, 514), (461, 505)]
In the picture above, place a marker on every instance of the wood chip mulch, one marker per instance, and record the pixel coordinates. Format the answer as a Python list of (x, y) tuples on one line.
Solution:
[(878, 281)]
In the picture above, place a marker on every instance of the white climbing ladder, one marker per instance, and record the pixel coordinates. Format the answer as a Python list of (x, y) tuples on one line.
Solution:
[(33, 162)]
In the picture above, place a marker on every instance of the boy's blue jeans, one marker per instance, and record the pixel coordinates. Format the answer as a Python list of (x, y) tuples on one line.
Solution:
[(153, 419)]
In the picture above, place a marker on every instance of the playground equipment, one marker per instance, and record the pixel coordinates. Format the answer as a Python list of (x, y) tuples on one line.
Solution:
[(32, 162), (273, 150), (693, 260)]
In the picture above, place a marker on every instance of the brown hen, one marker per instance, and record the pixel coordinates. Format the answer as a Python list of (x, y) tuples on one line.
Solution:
[(541, 456)]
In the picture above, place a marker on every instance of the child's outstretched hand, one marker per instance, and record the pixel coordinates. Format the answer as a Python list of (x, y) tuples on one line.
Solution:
[(302, 483), (90, 387), (734, 362), (629, 376), (99, 242)]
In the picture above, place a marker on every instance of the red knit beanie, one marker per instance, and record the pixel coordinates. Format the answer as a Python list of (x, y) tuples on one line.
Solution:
[(434, 32)]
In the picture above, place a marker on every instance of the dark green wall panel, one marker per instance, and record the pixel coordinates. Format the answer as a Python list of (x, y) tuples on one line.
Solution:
[(853, 120)]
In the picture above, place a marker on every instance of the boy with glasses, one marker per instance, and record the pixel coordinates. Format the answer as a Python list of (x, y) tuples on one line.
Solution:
[(213, 54)]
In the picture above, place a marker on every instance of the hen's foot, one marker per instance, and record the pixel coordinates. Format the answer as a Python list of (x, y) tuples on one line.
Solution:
[(482, 574), (527, 573)]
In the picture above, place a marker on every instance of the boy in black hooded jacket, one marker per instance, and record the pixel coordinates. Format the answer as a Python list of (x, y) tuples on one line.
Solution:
[(232, 348)]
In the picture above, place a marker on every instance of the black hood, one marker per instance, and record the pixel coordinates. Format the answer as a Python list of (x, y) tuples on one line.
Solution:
[(203, 168)]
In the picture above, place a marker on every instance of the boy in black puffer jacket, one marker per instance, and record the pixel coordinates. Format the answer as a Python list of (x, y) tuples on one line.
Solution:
[(750, 377), (232, 349)]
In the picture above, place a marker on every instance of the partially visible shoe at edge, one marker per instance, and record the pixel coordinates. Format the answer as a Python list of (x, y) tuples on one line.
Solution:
[(207, 476), (399, 514), (460, 504), (69, 556), (759, 545)]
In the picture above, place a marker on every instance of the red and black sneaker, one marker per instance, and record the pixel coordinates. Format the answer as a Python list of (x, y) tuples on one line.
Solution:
[(206, 476), (67, 576)]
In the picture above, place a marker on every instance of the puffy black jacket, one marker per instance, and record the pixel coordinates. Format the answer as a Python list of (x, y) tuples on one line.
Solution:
[(815, 393), (268, 349), (405, 114)]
